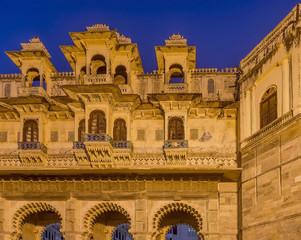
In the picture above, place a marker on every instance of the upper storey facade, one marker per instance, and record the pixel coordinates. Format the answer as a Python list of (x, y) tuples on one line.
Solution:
[(108, 112), (270, 79)]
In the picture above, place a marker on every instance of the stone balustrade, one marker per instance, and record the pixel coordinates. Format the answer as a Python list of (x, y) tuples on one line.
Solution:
[(97, 79), (62, 74), (31, 91), (32, 146)]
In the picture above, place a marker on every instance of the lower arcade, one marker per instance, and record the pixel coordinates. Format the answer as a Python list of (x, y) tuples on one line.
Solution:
[(187, 206)]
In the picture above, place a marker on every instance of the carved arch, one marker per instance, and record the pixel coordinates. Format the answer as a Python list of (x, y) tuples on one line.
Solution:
[(178, 207), (99, 209), (26, 210)]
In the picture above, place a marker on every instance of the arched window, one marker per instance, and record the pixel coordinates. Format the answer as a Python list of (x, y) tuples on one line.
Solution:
[(175, 129), (30, 131), (176, 74), (119, 131), (7, 90), (81, 130), (97, 122), (33, 77), (268, 107), (82, 73), (98, 65), (211, 86), (120, 76)]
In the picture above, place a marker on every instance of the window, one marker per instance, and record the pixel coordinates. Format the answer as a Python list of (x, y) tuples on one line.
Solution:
[(3, 136), (176, 74), (120, 76), (268, 107), (81, 130), (30, 131), (175, 129), (141, 134), (54, 136), (211, 86), (97, 122), (7, 90), (119, 131), (98, 65)]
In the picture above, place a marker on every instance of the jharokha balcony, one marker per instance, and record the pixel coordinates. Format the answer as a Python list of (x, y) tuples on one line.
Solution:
[(99, 150), (176, 152), (32, 153)]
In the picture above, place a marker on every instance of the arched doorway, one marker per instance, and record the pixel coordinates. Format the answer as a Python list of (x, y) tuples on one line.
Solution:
[(52, 232), (181, 231), (107, 220), (177, 221), (35, 220), (121, 232)]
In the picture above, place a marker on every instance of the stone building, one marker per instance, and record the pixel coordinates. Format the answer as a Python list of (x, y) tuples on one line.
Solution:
[(111, 152)]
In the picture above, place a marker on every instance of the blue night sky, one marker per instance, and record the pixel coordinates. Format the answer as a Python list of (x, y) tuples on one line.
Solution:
[(223, 31)]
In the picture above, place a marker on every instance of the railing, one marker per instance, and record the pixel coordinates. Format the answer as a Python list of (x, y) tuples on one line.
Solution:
[(11, 75), (125, 88), (97, 137), (78, 145), (32, 146), (62, 74), (266, 130), (175, 87), (122, 144), (97, 79), (176, 144), (29, 91)]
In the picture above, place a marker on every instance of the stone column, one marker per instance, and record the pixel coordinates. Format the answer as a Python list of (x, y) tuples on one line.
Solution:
[(253, 111), (285, 86), (247, 117)]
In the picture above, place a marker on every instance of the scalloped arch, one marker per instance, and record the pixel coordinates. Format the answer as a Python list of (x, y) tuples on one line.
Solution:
[(177, 207), (101, 208), (31, 208)]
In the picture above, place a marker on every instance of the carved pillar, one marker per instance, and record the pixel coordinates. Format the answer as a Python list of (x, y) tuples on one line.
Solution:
[(71, 227), (253, 110), (248, 114), (285, 86)]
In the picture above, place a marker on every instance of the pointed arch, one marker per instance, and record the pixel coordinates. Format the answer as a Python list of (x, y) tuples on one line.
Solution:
[(97, 122), (28, 209), (102, 208), (119, 131), (176, 129), (187, 215), (30, 131), (81, 130), (268, 106)]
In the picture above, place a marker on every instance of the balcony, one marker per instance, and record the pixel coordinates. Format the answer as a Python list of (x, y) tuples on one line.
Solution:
[(97, 79), (32, 153), (176, 152), (99, 149), (122, 153), (80, 153)]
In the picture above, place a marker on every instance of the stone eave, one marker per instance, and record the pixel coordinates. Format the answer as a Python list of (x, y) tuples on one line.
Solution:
[(73, 91), (162, 171), (218, 104), (161, 50), (291, 18), (83, 39), (18, 56), (69, 51), (161, 97)]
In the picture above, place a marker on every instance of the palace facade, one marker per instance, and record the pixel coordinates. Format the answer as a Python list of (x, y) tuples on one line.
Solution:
[(111, 152)]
